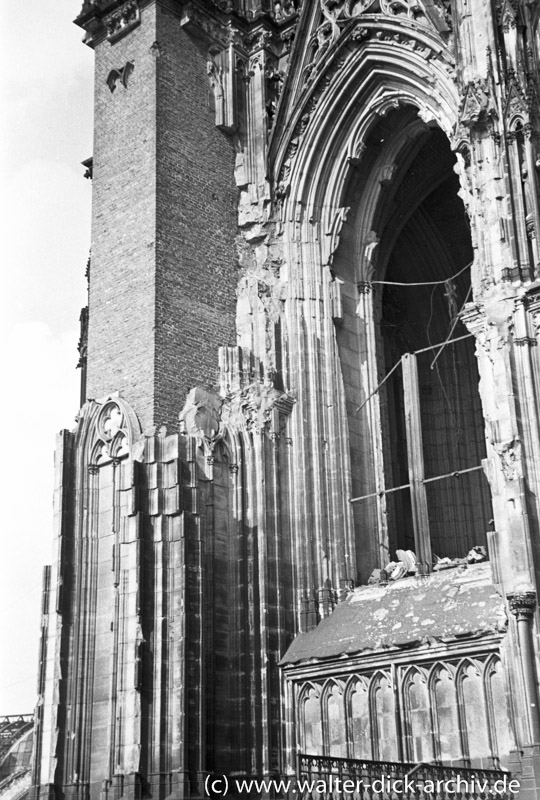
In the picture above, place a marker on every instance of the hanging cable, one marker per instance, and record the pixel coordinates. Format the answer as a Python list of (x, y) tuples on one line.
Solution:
[(414, 353), (448, 293), (374, 392), (456, 320), (451, 300), (424, 283)]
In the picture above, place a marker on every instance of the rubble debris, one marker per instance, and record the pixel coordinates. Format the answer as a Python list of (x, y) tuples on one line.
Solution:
[(407, 564), (457, 603), (399, 571), (375, 577), (448, 563), (408, 558), (477, 554)]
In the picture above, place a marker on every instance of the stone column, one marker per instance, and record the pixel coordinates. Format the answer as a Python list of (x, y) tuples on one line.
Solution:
[(523, 605)]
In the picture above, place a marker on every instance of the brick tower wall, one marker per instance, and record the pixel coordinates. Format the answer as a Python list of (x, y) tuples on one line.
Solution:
[(162, 279), (122, 272), (196, 223)]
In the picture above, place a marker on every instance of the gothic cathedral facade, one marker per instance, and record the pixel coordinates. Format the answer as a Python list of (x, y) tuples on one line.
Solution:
[(298, 522)]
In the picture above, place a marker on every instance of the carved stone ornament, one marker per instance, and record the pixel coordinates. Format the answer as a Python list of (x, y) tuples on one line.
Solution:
[(260, 39), (208, 417), (509, 453), (445, 8), (285, 9), (335, 10), (532, 301), (251, 408), (123, 20), (216, 70), (476, 105), (347, 8), (202, 25), (402, 8), (522, 604), (507, 14), (515, 107), (461, 145), (121, 75)]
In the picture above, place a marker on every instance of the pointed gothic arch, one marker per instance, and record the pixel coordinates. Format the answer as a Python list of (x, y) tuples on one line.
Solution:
[(418, 732), (501, 729), (310, 725), (333, 717), (369, 71), (444, 712), (382, 705), (473, 713), (361, 127), (403, 264), (357, 713)]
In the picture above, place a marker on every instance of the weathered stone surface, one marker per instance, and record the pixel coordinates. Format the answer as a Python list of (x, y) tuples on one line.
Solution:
[(292, 202), (405, 613)]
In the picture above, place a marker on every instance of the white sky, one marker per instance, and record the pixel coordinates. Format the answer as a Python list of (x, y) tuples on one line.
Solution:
[(46, 131)]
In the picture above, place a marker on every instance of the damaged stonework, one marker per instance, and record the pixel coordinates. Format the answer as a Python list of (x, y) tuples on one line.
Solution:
[(411, 672), (411, 612), (289, 318), (201, 415), (329, 191), (251, 408), (209, 418)]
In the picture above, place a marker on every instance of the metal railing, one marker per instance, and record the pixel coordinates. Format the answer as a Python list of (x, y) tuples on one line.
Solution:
[(327, 778)]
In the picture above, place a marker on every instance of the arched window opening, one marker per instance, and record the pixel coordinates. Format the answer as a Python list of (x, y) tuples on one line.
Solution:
[(312, 739), (384, 720), (449, 430), (335, 724), (452, 713), (446, 718), (415, 421), (473, 710), (360, 721), (498, 705), (418, 719)]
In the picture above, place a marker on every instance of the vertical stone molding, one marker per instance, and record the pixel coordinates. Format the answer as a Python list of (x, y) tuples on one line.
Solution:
[(524, 606)]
